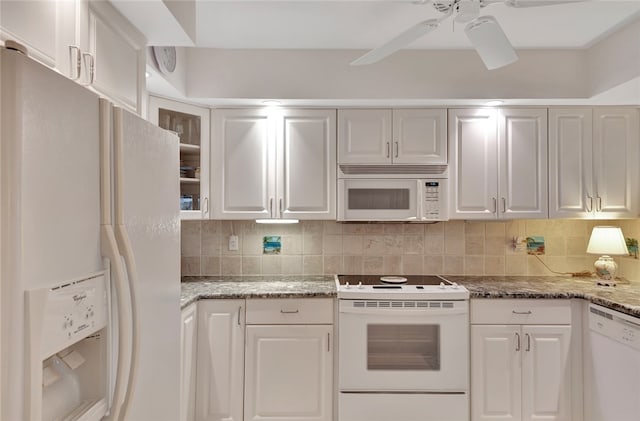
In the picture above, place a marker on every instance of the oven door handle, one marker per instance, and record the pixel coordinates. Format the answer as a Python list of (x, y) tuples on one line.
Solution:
[(404, 311)]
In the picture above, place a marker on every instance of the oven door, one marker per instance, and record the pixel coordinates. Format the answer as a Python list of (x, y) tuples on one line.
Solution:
[(378, 200), (404, 345)]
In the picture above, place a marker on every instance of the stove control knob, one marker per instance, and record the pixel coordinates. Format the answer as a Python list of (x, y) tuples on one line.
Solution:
[(442, 285), (346, 285), (360, 285)]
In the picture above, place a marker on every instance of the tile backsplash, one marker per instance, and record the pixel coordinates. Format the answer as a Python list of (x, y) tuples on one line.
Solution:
[(450, 248)]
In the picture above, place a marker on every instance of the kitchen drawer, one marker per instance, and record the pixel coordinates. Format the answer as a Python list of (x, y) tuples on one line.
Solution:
[(520, 312), (276, 311)]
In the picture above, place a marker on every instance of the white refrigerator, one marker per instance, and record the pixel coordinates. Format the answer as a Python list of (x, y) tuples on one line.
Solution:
[(89, 221)]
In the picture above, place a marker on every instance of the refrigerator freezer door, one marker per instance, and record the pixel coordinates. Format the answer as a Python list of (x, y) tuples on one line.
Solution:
[(147, 225), (49, 195)]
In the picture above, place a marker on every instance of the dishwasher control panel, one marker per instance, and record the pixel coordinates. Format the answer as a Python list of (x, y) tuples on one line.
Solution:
[(615, 325)]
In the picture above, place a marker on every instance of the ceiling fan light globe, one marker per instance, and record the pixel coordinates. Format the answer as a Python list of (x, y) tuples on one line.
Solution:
[(468, 10), (491, 43)]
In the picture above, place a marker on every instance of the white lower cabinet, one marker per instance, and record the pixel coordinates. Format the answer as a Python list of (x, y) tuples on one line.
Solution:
[(188, 344), (274, 362), (220, 361), (288, 373), (520, 370)]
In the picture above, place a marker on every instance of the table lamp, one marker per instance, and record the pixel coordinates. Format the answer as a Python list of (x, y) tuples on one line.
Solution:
[(606, 241)]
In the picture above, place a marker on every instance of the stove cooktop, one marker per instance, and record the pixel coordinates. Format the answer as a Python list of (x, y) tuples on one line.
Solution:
[(420, 287), (394, 280)]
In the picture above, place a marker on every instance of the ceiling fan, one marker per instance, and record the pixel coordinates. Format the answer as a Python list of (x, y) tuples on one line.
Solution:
[(484, 32)]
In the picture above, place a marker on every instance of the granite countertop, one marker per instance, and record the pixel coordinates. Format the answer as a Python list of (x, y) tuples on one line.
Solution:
[(202, 287), (625, 297)]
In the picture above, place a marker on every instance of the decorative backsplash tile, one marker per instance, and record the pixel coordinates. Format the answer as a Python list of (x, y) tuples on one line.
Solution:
[(449, 248)]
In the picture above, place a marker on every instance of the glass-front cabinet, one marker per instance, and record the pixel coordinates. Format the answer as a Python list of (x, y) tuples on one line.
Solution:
[(191, 124)]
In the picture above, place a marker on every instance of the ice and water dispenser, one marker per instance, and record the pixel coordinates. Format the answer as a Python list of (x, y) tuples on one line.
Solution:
[(68, 361)]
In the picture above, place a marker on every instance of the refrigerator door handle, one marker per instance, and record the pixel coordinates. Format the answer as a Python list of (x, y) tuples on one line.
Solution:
[(124, 245), (123, 299)]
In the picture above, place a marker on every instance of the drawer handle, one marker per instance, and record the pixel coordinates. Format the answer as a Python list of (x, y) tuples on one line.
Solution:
[(521, 312), (289, 311)]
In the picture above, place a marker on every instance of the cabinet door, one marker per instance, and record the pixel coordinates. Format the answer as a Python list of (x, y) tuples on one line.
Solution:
[(243, 170), (570, 158), (187, 362), (289, 373), (364, 136), (615, 161), (220, 360), (191, 124), (495, 372), (46, 28), (546, 373), (474, 164), (522, 140), (307, 164), (117, 49), (419, 136)]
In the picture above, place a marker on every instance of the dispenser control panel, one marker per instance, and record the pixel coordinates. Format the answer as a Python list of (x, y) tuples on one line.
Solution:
[(68, 312)]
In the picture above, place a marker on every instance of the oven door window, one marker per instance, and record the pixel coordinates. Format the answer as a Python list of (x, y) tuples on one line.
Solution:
[(403, 347)]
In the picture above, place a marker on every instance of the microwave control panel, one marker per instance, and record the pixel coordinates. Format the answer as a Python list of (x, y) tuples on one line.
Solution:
[(434, 200)]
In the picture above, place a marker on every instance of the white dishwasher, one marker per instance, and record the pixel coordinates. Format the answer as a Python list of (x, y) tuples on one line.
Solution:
[(612, 366)]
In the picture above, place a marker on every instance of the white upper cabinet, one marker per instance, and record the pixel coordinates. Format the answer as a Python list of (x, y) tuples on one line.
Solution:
[(498, 163), (116, 56), (593, 160), (273, 163), (399, 136), (87, 41), (191, 124), (46, 28)]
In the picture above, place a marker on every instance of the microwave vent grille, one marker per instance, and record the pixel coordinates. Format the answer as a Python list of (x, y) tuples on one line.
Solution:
[(393, 169)]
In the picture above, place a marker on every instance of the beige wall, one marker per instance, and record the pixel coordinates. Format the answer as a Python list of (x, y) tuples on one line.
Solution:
[(454, 247)]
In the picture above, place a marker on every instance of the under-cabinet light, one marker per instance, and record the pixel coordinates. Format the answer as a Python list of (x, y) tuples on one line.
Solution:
[(277, 221)]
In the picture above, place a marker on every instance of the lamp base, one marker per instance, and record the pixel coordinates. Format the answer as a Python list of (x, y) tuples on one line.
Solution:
[(606, 269)]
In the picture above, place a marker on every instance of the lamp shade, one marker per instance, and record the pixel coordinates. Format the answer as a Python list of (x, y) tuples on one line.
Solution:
[(607, 240)]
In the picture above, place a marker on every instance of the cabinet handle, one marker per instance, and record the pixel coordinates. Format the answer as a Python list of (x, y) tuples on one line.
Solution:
[(78, 62), (271, 207), (495, 205), (239, 316), (205, 207), (289, 311), (517, 341), (590, 207), (504, 205), (599, 209), (92, 67), (528, 342), (521, 312), (328, 342), (281, 208), (397, 147), (387, 149)]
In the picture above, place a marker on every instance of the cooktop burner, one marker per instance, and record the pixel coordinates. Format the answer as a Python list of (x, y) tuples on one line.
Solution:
[(420, 287)]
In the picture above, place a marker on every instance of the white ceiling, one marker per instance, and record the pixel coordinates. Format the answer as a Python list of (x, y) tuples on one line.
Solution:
[(348, 24)]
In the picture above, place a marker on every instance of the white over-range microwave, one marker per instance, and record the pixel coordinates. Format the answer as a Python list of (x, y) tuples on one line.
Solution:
[(385, 193)]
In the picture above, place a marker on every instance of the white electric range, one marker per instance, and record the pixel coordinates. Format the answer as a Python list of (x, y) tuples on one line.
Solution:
[(404, 348)]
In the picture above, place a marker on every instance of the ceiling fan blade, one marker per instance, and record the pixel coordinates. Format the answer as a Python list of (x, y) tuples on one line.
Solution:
[(402, 40), (491, 43), (538, 3)]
